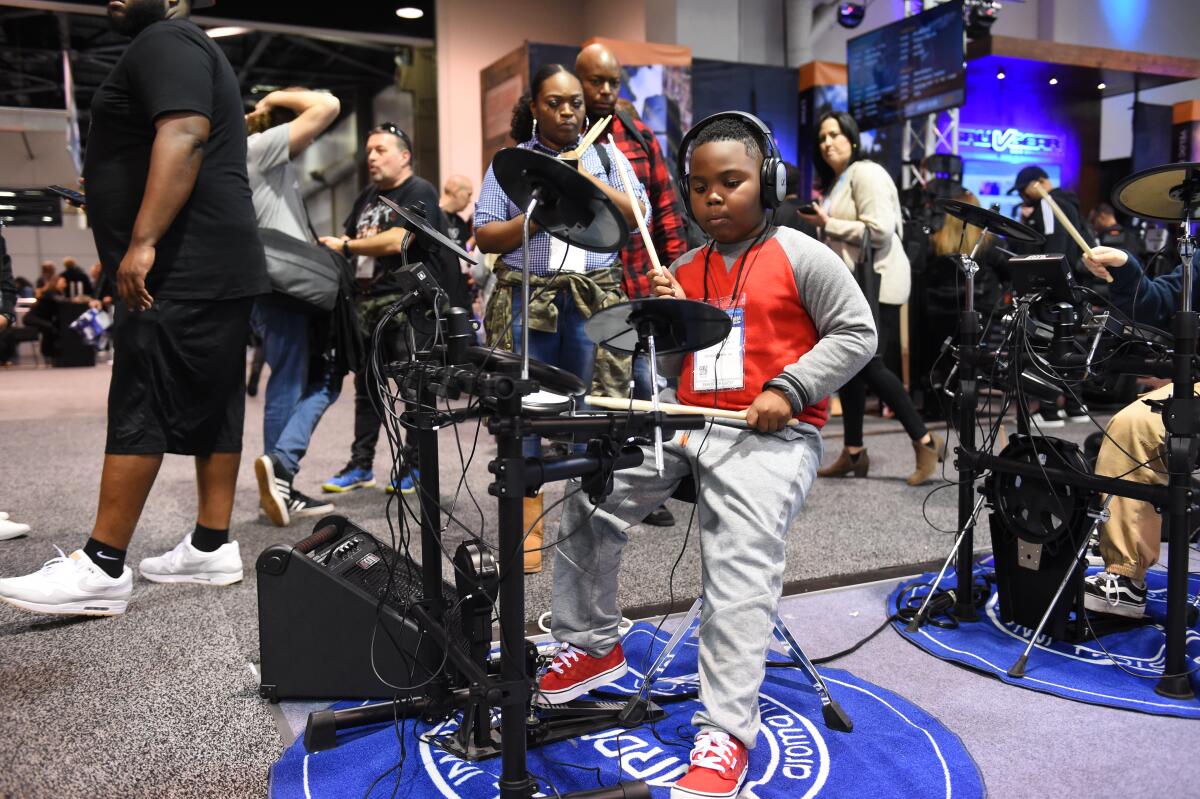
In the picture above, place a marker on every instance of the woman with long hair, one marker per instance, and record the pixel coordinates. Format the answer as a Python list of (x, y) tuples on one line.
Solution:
[(860, 208), (568, 284)]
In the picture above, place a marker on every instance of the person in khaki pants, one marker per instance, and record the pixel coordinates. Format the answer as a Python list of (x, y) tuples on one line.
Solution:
[(1133, 446)]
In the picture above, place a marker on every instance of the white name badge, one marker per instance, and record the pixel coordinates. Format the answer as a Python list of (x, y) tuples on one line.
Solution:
[(721, 366), (566, 258), (365, 268)]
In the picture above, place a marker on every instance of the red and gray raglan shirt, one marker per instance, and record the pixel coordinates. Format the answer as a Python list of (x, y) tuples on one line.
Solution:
[(807, 326)]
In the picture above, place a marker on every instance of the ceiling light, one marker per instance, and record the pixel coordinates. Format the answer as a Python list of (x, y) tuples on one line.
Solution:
[(1000, 75), (850, 15), (1101, 86), (409, 12), (1054, 81), (217, 33)]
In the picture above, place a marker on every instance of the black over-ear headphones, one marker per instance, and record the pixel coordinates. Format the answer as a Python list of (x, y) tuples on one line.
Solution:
[(772, 179)]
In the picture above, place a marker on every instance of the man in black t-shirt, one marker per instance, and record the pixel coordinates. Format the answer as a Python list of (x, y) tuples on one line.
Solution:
[(378, 246), (169, 206)]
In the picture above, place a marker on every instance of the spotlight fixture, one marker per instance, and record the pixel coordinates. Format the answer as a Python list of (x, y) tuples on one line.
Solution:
[(1000, 75), (1054, 81), (850, 15), (1101, 86), (409, 12)]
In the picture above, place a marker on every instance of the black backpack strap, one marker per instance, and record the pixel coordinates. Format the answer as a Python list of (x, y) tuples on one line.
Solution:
[(605, 161), (627, 121)]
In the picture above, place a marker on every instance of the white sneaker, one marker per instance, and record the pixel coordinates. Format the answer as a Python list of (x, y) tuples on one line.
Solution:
[(10, 529), (3, 516), (186, 564), (70, 585)]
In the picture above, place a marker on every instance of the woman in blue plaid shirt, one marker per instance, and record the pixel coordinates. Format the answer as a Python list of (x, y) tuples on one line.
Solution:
[(569, 284)]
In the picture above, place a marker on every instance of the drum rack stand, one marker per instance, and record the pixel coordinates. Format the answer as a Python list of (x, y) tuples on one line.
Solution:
[(466, 682), (1177, 500)]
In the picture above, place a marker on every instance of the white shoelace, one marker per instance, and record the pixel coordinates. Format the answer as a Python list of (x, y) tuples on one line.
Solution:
[(1111, 588), (565, 657), (55, 563), (713, 750)]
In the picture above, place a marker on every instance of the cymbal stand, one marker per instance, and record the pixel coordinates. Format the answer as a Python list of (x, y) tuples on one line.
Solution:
[(1181, 418), (533, 204), (968, 398), (645, 344)]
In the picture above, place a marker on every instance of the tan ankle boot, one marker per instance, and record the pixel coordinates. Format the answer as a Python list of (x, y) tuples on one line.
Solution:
[(846, 463), (534, 539), (928, 457)]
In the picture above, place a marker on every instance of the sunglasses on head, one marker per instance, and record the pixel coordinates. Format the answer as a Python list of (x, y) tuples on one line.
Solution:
[(394, 129)]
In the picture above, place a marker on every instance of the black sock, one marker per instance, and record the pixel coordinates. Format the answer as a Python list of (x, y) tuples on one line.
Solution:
[(207, 539), (110, 559)]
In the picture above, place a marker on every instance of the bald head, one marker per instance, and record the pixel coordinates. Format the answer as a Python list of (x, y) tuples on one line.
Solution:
[(456, 194), (600, 73)]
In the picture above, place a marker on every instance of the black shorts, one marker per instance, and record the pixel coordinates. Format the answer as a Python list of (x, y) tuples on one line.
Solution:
[(179, 378)]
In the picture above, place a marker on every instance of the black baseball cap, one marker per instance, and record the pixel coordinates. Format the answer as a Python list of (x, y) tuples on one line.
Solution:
[(1026, 176)]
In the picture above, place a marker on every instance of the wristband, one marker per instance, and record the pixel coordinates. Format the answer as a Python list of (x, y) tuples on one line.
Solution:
[(346, 248)]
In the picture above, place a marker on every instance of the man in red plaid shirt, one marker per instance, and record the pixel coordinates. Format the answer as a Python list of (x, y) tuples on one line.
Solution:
[(600, 73)]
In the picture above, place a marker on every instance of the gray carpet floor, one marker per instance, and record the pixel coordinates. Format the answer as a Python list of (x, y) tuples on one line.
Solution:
[(162, 700)]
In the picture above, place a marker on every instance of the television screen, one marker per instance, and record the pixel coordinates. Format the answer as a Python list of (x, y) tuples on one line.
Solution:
[(909, 68)]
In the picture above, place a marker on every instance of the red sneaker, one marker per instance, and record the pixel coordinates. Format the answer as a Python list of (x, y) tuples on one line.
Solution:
[(573, 673), (718, 769)]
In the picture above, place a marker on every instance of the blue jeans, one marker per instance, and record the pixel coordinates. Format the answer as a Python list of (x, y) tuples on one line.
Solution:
[(569, 348), (295, 400)]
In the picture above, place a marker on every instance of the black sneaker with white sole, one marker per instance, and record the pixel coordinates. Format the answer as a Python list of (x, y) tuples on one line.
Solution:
[(1114, 594), (274, 490), (303, 505)]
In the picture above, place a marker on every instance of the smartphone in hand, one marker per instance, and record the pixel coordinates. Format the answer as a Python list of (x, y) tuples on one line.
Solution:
[(70, 195), (807, 208)]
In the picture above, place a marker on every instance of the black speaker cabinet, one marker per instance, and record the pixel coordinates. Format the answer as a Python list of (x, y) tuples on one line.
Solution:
[(323, 633)]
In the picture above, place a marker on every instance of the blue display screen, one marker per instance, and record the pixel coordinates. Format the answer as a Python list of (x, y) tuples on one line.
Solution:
[(908, 68)]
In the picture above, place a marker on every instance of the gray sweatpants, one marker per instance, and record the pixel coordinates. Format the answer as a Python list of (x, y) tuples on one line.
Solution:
[(750, 487)]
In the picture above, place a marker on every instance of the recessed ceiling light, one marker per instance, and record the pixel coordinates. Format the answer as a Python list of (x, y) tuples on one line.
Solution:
[(1101, 86), (1054, 81), (409, 12), (1000, 75), (217, 33)]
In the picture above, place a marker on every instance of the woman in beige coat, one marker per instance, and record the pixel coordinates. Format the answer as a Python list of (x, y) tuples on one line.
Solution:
[(860, 203)]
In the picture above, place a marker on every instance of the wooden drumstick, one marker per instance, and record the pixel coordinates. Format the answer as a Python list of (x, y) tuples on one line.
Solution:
[(627, 185), (588, 139), (619, 404), (1065, 222)]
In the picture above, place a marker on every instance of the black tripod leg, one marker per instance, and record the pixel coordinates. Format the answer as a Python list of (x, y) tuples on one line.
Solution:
[(1018, 669), (835, 717)]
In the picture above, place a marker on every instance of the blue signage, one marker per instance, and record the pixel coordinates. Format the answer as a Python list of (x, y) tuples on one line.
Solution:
[(1010, 142)]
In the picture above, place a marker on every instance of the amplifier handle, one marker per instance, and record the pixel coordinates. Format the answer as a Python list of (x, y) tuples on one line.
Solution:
[(321, 535)]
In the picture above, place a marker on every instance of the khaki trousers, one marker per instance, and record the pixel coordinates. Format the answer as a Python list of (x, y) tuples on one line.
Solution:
[(1129, 541)]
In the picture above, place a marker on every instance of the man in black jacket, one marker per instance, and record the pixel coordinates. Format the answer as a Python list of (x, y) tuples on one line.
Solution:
[(377, 245), (1035, 212)]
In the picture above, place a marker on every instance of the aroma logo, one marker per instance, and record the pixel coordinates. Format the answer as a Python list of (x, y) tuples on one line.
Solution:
[(1088, 652), (1010, 141), (790, 759)]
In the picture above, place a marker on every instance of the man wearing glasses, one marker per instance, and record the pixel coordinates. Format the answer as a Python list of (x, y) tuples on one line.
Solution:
[(374, 241)]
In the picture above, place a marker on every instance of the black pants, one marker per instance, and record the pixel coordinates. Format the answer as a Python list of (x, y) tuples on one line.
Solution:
[(884, 383), (367, 419)]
